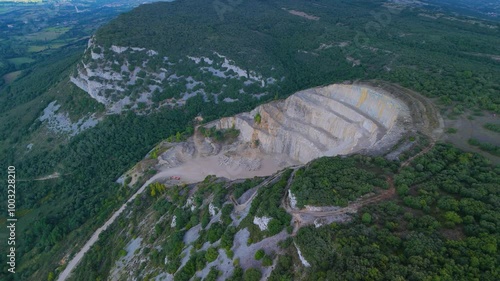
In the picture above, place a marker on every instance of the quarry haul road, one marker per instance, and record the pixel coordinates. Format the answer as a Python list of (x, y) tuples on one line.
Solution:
[(78, 257), (351, 208), (95, 236), (240, 207)]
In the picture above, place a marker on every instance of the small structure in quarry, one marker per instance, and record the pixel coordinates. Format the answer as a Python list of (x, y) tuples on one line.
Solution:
[(338, 119)]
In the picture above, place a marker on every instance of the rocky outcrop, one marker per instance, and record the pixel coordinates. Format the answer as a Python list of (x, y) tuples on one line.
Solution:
[(127, 78), (325, 121)]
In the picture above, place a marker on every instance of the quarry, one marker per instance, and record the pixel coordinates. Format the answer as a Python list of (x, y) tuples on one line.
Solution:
[(338, 119), (273, 142)]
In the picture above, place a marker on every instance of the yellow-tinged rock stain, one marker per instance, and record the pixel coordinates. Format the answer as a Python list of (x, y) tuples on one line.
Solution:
[(362, 98), (381, 107)]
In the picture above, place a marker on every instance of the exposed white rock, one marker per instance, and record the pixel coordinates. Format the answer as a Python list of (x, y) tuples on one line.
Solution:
[(199, 59), (195, 59), (174, 221), (262, 222), (129, 258), (302, 259), (107, 80), (96, 56), (229, 100), (118, 49), (61, 123), (271, 80), (241, 72), (312, 208), (190, 204), (109, 77), (293, 199), (212, 210)]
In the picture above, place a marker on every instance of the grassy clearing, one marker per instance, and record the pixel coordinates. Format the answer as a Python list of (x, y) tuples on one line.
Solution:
[(5, 10), (487, 147), (451, 130), (9, 77), (20, 60), (492, 127), (40, 48), (48, 34)]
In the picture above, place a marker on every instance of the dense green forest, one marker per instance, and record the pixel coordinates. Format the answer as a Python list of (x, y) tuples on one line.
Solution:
[(443, 225), (335, 181)]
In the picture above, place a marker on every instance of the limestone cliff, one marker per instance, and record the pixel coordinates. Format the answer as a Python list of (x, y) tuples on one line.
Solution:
[(139, 79)]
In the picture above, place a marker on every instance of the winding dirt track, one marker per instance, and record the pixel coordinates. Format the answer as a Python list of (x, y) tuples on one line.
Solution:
[(78, 257), (352, 208), (424, 151), (239, 207), (300, 221)]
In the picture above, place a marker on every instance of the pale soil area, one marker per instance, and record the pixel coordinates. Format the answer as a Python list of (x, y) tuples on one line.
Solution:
[(302, 14), (197, 169)]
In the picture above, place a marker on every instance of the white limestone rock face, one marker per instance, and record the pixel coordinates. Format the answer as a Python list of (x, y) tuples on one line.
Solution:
[(126, 77), (212, 210), (326, 121), (302, 259), (262, 222), (59, 122)]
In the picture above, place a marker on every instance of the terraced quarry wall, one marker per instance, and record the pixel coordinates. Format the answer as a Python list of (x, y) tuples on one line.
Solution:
[(323, 121)]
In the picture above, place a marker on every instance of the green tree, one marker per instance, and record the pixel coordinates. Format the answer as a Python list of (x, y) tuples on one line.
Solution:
[(211, 254), (267, 261), (259, 254), (257, 118), (252, 274), (366, 218)]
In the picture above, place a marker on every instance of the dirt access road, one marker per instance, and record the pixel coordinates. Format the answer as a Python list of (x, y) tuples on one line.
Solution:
[(302, 217), (78, 257)]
